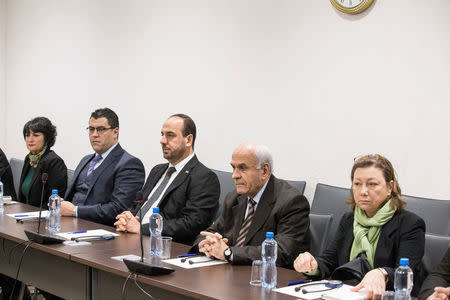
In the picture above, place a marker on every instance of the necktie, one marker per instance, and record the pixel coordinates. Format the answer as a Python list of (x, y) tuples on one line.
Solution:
[(246, 224), (158, 191), (95, 161)]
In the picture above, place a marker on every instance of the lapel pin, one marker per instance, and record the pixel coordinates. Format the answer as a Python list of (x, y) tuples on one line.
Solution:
[(187, 172)]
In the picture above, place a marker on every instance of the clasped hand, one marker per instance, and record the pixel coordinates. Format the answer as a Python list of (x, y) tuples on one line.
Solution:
[(127, 222), (213, 245), (373, 282)]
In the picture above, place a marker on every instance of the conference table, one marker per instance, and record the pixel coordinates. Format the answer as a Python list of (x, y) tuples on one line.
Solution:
[(90, 272)]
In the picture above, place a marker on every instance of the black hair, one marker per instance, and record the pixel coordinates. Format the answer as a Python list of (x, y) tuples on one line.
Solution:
[(41, 124), (113, 119), (189, 126)]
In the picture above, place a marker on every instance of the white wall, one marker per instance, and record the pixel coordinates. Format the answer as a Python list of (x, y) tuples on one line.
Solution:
[(2, 73), (318, 87)]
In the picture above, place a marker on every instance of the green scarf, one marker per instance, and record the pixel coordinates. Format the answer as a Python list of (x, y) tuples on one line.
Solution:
[(367, 230)]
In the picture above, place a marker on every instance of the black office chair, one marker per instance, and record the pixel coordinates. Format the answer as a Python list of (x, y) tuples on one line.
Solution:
[(16, 168), (69, 176), (299, 185), (435, 248), (226, 186), (330, 199), (319, 226), (435, 213)]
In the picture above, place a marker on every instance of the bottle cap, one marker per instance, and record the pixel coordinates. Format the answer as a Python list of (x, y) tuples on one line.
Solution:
[(404, 261), (54, 192), (156, 210), (269, 235)]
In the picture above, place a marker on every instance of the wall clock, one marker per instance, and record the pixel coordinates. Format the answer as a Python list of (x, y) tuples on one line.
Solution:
[(351, 6)]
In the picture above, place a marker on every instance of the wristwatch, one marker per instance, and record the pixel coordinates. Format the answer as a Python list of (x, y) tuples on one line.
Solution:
[(386, 275), (227, 253)]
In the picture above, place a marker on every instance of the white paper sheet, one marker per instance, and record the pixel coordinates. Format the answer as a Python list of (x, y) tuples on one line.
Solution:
[(342, 293), (85, 233), (200, 261), (128, 256), (28, 214)]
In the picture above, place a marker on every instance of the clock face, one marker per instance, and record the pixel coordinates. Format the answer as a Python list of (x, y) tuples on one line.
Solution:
[(350, 3), (351, 6)]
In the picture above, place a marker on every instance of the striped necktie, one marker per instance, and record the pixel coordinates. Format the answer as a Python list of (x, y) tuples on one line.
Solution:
[(246, 224)]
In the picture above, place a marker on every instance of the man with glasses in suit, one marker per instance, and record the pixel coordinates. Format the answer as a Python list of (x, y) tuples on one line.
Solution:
[(104, 183)]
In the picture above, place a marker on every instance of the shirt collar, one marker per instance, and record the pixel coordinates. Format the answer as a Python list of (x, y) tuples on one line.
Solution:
[(179, 166), (104, 155), (259, 194)]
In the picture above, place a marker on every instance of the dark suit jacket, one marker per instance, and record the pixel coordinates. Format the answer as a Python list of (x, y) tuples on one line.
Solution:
[(7, 177), (56, 169), (112, 186), (189, 203), (281, 209), (440, 276), (402, 236)]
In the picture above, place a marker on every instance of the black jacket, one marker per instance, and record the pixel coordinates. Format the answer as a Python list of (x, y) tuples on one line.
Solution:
[(190, 202), (7, 177), (56, 169), (440, 276), (281, 209), (402, 236)]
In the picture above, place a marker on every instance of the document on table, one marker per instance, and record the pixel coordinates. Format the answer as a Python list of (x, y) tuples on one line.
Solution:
[(29, 215), (85, 233), (342, 293), (194, 262)]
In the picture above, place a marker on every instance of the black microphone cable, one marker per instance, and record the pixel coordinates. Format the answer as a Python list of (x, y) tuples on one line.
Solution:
[(142, 290), (18, 268), (124, 286)]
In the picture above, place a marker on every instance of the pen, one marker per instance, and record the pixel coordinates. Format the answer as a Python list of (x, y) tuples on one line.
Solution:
[(187, 255), (21, 216), (83, 231), (298, 282)]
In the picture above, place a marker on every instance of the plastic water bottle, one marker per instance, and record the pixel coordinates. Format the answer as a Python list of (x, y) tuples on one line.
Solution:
[(269, 258), (54, 218), (2, 204), (403, 282), (156, 227)]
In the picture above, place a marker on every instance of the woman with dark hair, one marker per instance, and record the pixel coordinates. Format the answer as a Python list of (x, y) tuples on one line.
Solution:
[(40, 136), (378, 226)]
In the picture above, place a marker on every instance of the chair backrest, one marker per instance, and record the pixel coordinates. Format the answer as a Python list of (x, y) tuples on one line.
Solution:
[(69, 176), (16, 168), (330, 199), (299, 185), (435, 248), (319, 226), (435, 213), (226, 186)]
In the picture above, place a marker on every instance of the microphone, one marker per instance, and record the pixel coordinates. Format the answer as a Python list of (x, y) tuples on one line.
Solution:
[(140, 266), (36, 236)]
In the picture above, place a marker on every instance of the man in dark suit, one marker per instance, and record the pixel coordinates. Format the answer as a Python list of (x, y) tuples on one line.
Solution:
[(437, 285), (104, 183), (261, 203), (185, 191), (7, 177)]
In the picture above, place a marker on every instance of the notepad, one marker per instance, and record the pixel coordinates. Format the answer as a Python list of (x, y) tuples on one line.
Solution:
[(85, 233), (29, 215)]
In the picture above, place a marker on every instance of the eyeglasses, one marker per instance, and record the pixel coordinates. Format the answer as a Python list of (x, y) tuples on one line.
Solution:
[(100, 130), (373, 157)]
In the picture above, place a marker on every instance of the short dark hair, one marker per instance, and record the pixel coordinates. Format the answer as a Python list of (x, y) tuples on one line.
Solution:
[(41, 124), (109, 114), (189, 126)]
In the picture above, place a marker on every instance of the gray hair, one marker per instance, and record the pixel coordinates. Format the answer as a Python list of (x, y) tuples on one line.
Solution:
[(263, 156)]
